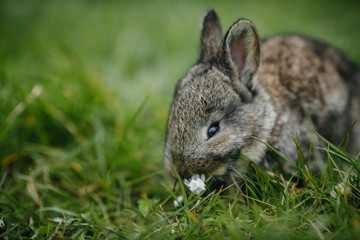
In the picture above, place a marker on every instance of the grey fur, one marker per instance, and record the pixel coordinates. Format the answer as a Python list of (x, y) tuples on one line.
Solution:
[(299, 85)]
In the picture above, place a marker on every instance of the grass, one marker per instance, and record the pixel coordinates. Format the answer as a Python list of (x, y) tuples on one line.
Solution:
[(85, 88)]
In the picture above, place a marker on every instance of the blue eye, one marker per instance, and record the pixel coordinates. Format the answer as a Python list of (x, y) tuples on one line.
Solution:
[(213, 129)]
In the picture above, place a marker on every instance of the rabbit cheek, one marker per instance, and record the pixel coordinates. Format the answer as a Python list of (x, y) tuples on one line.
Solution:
[(218, 142)]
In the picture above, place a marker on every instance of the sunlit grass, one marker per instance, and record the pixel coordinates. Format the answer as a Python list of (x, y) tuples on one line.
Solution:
[(85, 89)]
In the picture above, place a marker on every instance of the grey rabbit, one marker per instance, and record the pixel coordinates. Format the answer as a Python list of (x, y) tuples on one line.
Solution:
[(242, 90)]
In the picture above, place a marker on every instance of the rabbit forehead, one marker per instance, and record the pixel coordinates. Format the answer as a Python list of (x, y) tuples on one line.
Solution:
[(199, 97), (202, 71), (203, 88)]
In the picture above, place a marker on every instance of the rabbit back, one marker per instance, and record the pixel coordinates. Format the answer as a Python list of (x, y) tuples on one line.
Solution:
[(312, 87)]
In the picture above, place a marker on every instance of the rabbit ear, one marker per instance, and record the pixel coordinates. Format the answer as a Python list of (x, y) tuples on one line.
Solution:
[(210, 37), (241, 52)]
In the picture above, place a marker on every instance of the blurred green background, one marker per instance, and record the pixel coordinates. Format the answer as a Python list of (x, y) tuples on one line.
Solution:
[(85, 88)]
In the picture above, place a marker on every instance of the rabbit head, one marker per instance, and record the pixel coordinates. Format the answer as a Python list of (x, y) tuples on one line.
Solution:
[(217, 109)]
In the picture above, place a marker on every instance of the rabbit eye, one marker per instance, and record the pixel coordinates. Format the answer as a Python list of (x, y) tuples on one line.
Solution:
[(213, 129)]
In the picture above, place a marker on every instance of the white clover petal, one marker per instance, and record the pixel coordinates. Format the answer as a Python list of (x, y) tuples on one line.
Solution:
[(333, 194), (202, 177), (2, 224), (187, 182), (178, 201), (58, 219), (196, 184)]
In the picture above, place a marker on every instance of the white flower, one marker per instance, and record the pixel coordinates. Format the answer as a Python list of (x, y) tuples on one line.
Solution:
[(58, 219), (2, 224), (339, 190), (196, 184), (178, 201)]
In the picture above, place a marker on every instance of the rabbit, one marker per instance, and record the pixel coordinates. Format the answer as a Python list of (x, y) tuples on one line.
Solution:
[(243, 93)]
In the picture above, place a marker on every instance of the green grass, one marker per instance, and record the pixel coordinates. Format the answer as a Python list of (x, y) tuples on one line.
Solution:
[(85, 89)]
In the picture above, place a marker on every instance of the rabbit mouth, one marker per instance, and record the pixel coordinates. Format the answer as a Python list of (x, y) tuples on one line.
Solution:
[(219, 171), (234, 168)]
